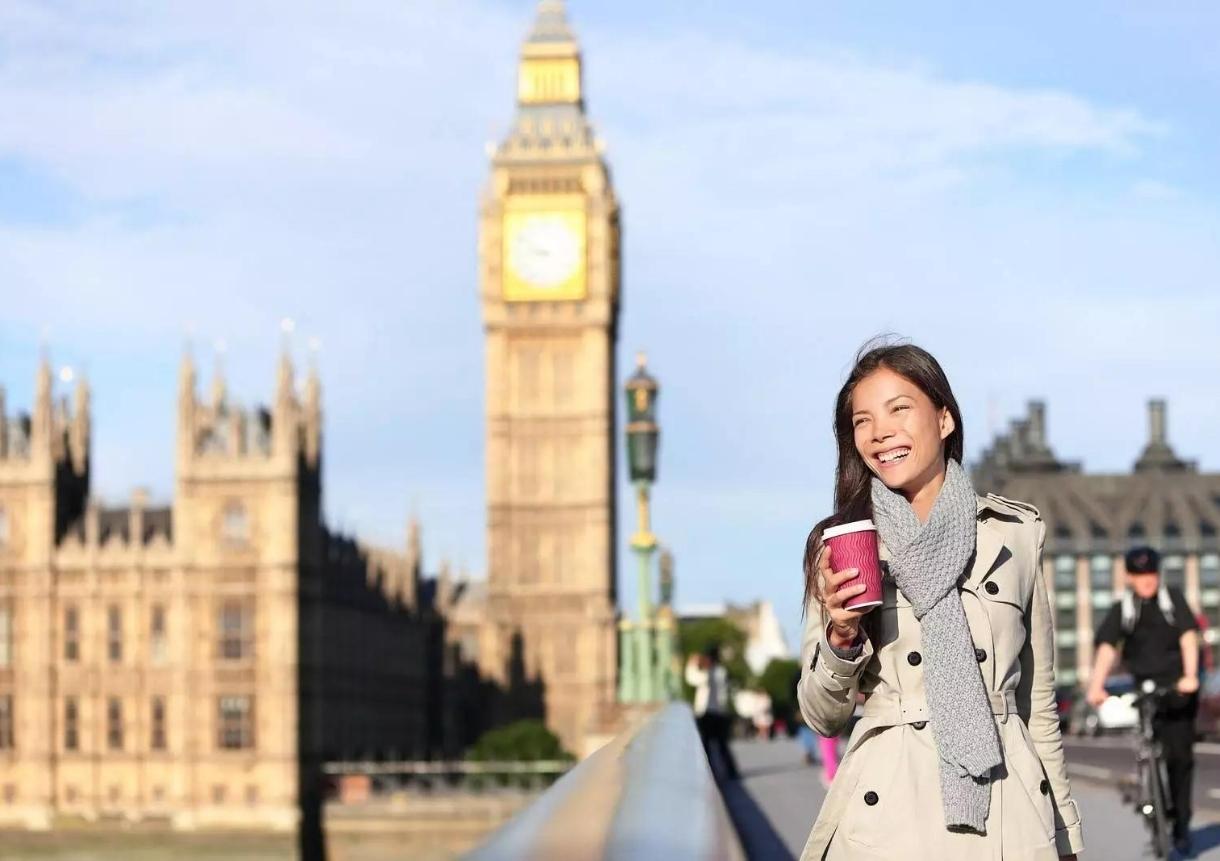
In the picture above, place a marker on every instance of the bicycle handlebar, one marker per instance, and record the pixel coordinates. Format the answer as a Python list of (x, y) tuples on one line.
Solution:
[(1155, 691)]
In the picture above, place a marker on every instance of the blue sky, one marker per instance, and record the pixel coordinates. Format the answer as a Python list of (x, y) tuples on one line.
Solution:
[(1030, 194)]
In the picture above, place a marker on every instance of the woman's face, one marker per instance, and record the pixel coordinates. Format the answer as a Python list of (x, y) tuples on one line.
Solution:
[(899, 432)]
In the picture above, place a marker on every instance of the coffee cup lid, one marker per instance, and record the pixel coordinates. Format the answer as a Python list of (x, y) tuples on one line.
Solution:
[(854, 526)]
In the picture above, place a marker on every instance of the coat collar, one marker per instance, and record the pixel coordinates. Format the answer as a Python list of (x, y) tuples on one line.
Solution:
[(989, 546)]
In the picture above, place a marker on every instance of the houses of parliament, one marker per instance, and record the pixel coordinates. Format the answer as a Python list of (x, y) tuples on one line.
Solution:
[(197, 662)]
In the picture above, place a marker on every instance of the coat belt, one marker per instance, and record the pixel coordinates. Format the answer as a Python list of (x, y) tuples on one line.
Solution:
[(894, 709)]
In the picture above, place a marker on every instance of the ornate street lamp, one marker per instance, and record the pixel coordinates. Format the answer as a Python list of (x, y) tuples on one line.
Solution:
[(643, 438), (667, 577), (668, 673), (643, 435)]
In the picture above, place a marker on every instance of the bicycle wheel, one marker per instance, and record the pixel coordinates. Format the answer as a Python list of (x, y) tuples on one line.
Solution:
[(1157, 818)]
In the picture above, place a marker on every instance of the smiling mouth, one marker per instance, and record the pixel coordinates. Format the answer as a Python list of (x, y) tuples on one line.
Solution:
[(893, 456)]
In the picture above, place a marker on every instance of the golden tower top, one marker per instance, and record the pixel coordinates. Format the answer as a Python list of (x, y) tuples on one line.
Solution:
[(550, 71), (550, 123), (550, 60)]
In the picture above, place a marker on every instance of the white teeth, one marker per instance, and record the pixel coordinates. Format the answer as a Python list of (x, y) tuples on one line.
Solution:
[(896, 454)]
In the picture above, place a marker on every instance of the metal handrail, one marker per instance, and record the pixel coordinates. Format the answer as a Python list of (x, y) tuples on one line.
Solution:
[(646, 794), (447, 767)]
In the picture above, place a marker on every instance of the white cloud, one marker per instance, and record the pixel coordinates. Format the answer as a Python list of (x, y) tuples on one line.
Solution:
[(779, 120), (1153, 189), (235, 164)]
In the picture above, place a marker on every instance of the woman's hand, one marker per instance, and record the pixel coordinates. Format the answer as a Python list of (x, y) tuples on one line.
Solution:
[(844, 623)]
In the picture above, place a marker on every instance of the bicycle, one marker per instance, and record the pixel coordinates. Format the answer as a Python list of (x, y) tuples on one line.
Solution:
[(1152, 799)]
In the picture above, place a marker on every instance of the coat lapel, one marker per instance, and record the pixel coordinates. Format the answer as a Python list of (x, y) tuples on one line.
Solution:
[(988, 549)]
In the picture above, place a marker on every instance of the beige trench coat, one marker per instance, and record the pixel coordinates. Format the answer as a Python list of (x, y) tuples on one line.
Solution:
[(885, 802)]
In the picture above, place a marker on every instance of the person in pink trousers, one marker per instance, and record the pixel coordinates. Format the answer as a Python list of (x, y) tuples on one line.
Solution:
[(828, 751)]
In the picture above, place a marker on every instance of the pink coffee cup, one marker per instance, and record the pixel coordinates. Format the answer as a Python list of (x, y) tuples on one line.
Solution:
[(854, 545)]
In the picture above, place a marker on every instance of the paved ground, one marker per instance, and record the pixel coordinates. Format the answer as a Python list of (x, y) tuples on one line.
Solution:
[(1107, 759), (779, 796)]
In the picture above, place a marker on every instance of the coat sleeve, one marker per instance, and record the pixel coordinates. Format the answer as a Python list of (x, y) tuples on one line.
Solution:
[(696, 676), (828, 685), (1036, 702)]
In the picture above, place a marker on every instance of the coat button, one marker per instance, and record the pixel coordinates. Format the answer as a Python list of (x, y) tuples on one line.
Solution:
[(1044, 787), (914, 659), (870, 798), (980, 655), (919, 724), (991, 588)]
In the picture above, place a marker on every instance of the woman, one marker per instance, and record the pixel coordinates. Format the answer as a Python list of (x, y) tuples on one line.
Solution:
[(958, 753)]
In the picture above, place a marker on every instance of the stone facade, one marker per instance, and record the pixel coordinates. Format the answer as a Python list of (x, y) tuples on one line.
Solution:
[(194, 663), (1093, 519), (549, 288)]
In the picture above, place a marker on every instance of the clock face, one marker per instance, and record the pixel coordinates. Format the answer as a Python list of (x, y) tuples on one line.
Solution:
[(544, 251), (544, 255)]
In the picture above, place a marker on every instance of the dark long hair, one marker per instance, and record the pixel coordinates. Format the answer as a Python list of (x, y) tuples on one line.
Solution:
[(853, 479)]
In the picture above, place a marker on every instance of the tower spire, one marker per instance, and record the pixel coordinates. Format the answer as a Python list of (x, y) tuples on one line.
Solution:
[(218, 376), (186, 375), (415, 550), (43, 406), (551, 23), (285, 381), (313, 406), (80, 427)]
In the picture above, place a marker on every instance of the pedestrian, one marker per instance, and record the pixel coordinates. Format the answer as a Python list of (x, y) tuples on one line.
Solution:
[(957, 755), (710, 680), (763, 719), (1159, 637), (809, 743)]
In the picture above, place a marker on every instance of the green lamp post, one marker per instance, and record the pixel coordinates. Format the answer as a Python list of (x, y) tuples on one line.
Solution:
[(668, 683), (643, 437)]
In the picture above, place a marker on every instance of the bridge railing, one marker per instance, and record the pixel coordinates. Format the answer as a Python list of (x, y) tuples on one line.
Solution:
[(357, 780), (646, 794), (421, 768)]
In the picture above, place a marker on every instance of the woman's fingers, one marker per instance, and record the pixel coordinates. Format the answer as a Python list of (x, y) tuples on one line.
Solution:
[(838, 578), (836, 599), (832, 581)]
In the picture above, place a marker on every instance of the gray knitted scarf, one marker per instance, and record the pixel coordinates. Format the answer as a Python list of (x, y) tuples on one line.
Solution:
[(926, 560)]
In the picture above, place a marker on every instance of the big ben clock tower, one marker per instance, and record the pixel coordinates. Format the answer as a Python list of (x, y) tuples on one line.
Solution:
[(549, 273)]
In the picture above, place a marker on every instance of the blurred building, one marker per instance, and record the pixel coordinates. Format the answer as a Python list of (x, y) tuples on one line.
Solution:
[(195, 662), (549, 289), (1093, 519), (765, 640)]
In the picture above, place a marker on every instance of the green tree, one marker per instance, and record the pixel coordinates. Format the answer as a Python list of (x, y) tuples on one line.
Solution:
[(522, 741), (779, 681)]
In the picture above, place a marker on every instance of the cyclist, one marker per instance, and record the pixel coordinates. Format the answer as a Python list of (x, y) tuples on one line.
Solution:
[(1159, 638)]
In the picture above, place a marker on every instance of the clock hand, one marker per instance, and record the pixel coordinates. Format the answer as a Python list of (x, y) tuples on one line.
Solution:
[(533, 247)]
